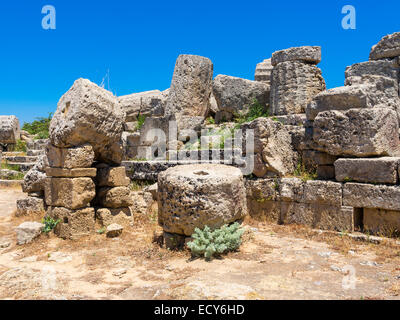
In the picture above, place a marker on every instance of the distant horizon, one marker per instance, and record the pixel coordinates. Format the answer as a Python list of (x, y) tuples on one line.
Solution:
[(139, 42)]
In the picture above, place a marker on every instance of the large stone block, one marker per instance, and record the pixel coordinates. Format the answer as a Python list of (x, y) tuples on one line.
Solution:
[(72, 224), (27, 231), (112, 177), (357, 132), (89, 114), (200, 195), (291, 189), (307, 54), (371, 196), (383, 68), (273, 142), (313, 158), (69, 158), (146, 104), (264, 210), (327, 217), (108, 216), (388, 47), (71, 193), (263, 71), (9, 129), (369, 170), (382, 222), (116, 197), (373, 92), (293, 86), (323, 192), (296, 213), (262, 189), (35, 177), (190, 90), (30, 206), (235, 95)]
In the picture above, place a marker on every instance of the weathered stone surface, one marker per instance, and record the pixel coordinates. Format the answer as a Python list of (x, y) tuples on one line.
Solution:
[(112, 177), (28, 231), (273, 142), (323, 192), (296, 213), (374, 92), (153, 189), (263, 71), (147, 104), (69, 158), (174, 241), (116, 197), (387, 47), (114, 230), (89, 114), (71, 193), (262, 189), (382, 222), (371, 196), (264, 210), (357, 132), (235, 95), (190, 90), (155, 130), (143, 203), (73, 224), (291, 189), (29, 206), (8, 174), (307, 54), (107, 216), (198, 195), (327, 217), (71, 173), (369, 170), (213, 105), (35, 178), (131, 126), (292, 119), (9, 129), (293, 86), (384, 68)]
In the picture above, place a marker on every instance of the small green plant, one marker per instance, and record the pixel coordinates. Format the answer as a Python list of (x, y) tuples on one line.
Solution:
[(6, 165), (256, 110), (210, 120), (138, 185), (20, 146), (101, 231), (49, 224), (210, 243), (304, 174), (140, 121)]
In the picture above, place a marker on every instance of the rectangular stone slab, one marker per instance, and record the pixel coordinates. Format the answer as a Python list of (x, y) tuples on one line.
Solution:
[(371, 196), (369, 170), (71, 173)]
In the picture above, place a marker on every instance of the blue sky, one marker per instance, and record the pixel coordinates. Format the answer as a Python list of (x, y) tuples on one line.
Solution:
[(139, 41)]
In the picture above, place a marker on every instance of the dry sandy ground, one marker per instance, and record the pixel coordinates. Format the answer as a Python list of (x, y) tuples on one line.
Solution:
[(274, 262)]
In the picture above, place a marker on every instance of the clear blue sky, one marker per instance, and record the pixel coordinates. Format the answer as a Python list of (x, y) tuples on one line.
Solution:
[(139, 41)]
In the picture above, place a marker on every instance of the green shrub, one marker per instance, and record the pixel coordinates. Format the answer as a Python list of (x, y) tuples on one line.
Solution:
[(256, 110), (210, 243), (20, 146), (140, 121), (39, 127), (49, 224)]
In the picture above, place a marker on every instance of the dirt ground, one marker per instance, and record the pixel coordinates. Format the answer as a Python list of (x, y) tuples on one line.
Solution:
[(274, 262)]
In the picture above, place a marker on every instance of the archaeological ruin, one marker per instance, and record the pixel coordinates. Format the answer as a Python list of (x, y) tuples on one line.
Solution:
[(213, 149)]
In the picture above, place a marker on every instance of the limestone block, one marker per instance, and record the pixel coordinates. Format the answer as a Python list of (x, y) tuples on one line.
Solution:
[(121, 216), (369, 170), (387, 47), (71, 193), (263, 71), (114, 197), (73, 224), (71, 173), (30, 206), (112, 177), (323, 192), (308, 54), (9, 129), (28, 231), (382, 222), (69, 158)]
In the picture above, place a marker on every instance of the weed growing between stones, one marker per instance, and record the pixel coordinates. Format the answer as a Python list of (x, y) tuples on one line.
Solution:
[(256, 110), (209, 243), (304, 174), (49, 224)]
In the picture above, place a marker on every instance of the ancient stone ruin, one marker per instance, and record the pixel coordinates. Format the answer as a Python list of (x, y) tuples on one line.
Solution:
[(328, 159)]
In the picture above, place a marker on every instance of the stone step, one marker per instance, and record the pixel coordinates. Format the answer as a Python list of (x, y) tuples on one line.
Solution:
[(11, 183), (149, 170), (35, 153), (21, 159), (23, 166), (13, 154)]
